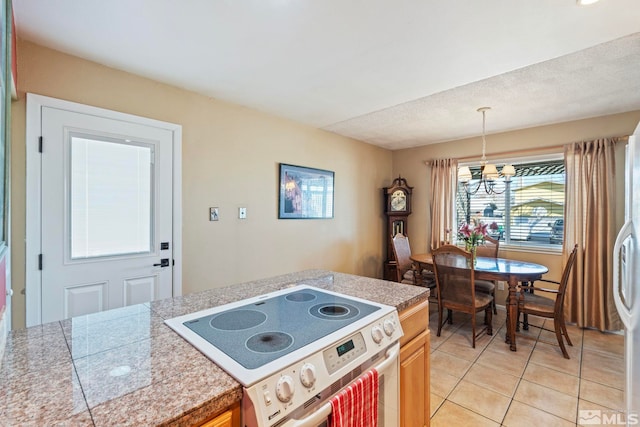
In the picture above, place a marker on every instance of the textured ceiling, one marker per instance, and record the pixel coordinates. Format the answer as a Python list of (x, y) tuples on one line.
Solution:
[(597, 81), (395, 74)]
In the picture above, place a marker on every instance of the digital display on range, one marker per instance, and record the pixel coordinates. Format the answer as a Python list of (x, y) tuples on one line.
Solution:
[(344, 348)]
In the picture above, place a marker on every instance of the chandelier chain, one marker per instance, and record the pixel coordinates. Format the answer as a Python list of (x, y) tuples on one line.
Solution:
[(489, 173), (483, 160)]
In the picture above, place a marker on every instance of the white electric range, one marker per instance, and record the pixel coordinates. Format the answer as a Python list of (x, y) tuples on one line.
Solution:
[(292, 349)]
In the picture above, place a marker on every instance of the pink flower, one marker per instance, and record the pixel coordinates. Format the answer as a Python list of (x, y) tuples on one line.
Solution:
[(472, 235), (480, 230), (465, 230)]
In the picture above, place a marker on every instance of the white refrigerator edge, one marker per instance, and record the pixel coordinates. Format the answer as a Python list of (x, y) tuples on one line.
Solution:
[(626, 278)]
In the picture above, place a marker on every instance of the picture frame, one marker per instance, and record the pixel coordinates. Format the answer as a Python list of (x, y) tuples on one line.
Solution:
[(305, 193)]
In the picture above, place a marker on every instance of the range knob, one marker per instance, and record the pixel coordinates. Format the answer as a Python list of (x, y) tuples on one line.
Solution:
[(389, 327), (308, 375), (377, 334), (285, 388)]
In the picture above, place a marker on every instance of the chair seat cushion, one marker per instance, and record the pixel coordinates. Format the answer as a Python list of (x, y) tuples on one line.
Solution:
[(459, 292), (408, 276), (536, 303), (428, 278), (485, 286)]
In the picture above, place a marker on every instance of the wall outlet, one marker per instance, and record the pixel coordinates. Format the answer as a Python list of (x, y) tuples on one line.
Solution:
[(242, 213), (213, 214), (500, 286)]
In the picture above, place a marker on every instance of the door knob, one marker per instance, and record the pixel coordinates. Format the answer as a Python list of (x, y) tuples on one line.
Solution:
[(164, 262)]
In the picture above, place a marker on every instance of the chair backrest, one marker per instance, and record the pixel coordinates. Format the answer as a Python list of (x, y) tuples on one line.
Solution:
[(453, 268), (402, 253), (566, 274), (489, 248)]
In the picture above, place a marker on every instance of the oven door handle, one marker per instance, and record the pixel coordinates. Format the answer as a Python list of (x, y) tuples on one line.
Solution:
[(325, 410)]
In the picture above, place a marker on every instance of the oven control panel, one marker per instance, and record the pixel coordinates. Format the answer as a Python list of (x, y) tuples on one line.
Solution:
[(301, 384), (343, 353)]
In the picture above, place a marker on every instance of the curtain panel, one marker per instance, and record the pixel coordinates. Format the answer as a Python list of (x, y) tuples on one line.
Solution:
[(590, 223), (444, 183)]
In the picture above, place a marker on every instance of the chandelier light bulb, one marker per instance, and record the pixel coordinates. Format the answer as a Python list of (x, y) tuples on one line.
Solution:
[(464, 174), (508, 171), (490, 172)]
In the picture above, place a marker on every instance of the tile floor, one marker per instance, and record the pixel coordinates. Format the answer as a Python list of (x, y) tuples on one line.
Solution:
[(535, 386)]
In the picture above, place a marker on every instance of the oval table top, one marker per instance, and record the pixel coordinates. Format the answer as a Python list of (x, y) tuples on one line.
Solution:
[(497, 266)]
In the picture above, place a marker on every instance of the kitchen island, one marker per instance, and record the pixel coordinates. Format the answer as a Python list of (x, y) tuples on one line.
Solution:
[(126, 367)]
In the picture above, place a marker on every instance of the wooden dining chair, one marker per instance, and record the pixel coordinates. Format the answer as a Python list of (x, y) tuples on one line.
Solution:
[(406, 270), (538, 305), (489, 249), (456, 289)]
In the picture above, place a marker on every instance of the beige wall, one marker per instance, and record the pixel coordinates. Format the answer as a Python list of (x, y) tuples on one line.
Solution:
[(230, 159), (410, 163)]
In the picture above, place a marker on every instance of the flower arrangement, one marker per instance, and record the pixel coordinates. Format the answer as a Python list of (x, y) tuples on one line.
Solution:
[(472, 235)]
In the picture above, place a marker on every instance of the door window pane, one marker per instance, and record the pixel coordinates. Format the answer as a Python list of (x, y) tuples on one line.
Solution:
[(110, 196)]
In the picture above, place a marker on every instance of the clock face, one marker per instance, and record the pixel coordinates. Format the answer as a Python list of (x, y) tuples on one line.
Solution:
[(398, 201)]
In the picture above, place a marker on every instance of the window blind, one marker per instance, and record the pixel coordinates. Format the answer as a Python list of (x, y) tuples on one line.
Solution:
[(530, 211)]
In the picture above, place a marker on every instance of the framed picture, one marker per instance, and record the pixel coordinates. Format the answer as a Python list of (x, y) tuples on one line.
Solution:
[(305, 193)]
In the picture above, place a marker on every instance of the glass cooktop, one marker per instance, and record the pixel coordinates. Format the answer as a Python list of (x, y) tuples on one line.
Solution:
[(263, 330)]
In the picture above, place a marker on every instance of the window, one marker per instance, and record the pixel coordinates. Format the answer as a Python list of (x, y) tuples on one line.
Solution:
[(111, 213), (530, 212)]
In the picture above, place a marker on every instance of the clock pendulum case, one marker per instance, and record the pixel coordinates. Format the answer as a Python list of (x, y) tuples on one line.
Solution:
[(397, 202)]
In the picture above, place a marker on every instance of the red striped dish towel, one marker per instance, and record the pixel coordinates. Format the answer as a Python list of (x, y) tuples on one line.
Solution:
[(357, 404)]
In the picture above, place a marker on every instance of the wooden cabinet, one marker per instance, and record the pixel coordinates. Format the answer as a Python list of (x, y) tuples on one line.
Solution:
[(414, 366), (229, 418)]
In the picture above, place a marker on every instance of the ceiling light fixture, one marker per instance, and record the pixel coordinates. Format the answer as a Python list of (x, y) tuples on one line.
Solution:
[(586, 2), (489, 171)]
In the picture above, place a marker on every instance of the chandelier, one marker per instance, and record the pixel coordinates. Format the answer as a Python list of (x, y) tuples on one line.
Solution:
[(489, 171)]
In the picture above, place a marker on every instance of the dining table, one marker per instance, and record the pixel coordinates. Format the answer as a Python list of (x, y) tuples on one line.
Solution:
[(488, 268)]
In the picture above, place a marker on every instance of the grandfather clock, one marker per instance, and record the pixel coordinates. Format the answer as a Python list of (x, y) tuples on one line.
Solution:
[(397, 202)]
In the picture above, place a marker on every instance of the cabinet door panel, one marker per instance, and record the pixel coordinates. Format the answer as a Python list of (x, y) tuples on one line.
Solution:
[(414, 382), (230, 418)]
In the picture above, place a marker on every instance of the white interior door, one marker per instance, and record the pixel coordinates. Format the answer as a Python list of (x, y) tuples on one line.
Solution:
[(106, 213)]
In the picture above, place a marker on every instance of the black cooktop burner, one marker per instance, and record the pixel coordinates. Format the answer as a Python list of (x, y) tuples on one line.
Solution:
[(269, 342), (300, 297), (334, 311), (276, 326), (237, 320)]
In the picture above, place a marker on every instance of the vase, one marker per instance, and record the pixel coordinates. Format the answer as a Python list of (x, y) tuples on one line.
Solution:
[(471, 248)]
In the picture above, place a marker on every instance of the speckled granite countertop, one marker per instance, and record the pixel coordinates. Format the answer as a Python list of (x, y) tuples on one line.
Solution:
[(126, 367)]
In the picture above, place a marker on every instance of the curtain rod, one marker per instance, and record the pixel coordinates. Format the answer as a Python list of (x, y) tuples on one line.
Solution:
[(542, 150)]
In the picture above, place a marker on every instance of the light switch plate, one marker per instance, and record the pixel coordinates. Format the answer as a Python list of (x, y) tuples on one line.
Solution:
[(242, 213), (213, 214)]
